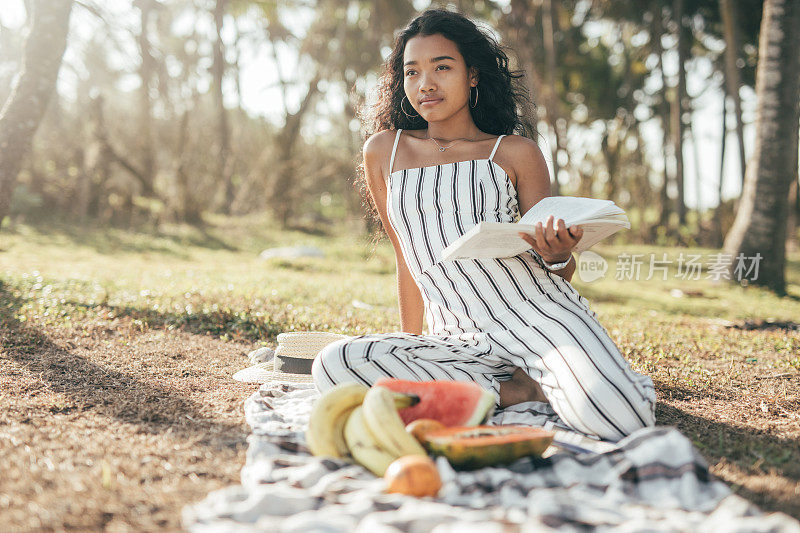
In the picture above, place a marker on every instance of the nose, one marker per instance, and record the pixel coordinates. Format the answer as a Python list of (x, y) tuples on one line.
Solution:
[(427, 84)]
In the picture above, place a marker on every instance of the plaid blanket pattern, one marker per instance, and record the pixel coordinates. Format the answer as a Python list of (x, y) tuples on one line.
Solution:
[(653, 480)]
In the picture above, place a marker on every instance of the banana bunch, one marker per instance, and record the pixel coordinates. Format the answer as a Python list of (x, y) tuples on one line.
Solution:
[(325, 433), (353, 421)]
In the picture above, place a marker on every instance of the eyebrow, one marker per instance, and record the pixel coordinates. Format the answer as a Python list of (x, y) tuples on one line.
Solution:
[(433, 60)]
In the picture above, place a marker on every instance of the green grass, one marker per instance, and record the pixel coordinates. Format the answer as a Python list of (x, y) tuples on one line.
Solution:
[(212, 281)]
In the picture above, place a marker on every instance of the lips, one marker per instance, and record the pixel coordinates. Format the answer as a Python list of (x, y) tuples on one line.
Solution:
[(430, 101)]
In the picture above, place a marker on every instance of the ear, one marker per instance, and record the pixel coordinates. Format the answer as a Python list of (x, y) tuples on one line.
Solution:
[(473, 76)]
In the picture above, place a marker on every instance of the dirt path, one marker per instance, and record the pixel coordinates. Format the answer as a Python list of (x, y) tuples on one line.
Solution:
[(111, 427)]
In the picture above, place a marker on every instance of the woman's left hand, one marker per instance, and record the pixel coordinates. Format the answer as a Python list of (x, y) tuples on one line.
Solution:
[(554, 242)]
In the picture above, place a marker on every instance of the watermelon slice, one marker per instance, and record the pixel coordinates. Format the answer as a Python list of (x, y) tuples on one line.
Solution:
[(453, 403)]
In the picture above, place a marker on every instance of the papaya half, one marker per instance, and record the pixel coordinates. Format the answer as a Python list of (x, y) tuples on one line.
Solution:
[(474, 447)]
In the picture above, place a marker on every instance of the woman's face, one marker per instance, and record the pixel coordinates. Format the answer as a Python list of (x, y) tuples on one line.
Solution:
[(435, 77)]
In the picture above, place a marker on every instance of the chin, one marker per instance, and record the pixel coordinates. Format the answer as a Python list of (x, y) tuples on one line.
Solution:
[(433, 116)]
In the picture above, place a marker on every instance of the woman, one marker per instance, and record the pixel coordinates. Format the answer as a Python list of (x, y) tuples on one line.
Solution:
[(445, 158)]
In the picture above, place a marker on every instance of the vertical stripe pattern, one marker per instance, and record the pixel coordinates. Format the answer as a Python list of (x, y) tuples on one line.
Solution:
[(487, 317)]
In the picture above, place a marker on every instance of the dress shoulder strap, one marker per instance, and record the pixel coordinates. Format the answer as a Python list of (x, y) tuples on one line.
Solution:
[(496, 144), (394, 150)]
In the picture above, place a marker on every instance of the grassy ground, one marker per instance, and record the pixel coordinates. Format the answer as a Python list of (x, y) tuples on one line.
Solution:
[(118, 348)]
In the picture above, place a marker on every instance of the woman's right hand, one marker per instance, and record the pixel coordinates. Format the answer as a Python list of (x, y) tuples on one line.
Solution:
[(554, 242)]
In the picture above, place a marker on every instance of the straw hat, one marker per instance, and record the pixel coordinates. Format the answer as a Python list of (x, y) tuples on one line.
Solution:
[(291, 360)]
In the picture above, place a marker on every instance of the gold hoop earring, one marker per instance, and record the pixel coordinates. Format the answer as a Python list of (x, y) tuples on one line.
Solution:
[(476, 98), (404, 110)]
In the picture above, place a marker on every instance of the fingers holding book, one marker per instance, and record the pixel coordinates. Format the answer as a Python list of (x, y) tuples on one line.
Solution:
[(554, 241), (570, 235), (582, 223)]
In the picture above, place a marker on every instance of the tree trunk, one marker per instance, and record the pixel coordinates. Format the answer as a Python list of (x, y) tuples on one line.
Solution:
[(97, 160), (677, 111), (520, 29), (760, 224), (146, 74), (25, 106), (188, 209), (548, 38), (732, 79), (282, 198), (717, 220), (643, 196), (698, 172), (235, 66), (657, 29), (791, 222), (223, 136), (610, 146)]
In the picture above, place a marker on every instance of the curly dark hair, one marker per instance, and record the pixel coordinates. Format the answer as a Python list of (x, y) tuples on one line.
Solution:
[(504, 106)]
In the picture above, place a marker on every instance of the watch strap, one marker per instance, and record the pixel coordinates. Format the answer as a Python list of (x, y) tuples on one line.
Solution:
[(556, 266)]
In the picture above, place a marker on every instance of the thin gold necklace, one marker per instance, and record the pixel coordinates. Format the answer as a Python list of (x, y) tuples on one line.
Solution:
[(443, 148)]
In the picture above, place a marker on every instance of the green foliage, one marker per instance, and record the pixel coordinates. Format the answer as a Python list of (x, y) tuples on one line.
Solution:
[(604, 71)]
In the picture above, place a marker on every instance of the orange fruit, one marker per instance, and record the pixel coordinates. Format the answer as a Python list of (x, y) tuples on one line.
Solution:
[(413, 475)]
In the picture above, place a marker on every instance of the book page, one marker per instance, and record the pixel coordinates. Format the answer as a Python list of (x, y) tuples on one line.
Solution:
[(487, 240), (499, 239), (573, 210), (596, 232)]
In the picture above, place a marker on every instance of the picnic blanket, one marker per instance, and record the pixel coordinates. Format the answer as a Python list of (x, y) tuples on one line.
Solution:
[(653, 480)]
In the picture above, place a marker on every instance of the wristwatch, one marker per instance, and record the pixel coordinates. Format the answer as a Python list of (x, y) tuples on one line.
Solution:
[(557, 266)]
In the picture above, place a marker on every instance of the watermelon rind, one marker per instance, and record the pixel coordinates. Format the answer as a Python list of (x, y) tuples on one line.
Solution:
[(484, 410)]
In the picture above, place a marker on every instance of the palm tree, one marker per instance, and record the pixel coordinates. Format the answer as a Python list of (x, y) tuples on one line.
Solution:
[(760, 224), (22, 112), (728, 11), (219, 68)]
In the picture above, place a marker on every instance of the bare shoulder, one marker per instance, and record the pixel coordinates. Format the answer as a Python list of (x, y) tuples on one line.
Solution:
[(523, 157), (377, 150), (379, 145), (517, 149)]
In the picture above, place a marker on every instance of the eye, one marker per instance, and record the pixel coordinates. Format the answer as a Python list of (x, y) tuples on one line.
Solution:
[(444, 66), (409, 72)]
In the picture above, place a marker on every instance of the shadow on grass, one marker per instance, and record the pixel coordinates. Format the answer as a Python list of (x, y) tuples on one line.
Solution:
[(699, 307), (111, 393), (754, 452), (108, 240), (238, 325)]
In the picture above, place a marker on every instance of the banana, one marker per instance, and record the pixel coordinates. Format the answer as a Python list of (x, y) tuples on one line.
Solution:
[(325, 433), (363, 446), (380, 413)]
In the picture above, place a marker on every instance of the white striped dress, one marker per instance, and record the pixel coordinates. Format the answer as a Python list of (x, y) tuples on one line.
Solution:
[(487, 317)]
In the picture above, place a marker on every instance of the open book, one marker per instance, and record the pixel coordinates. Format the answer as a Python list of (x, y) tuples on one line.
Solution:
[(598, 218)]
